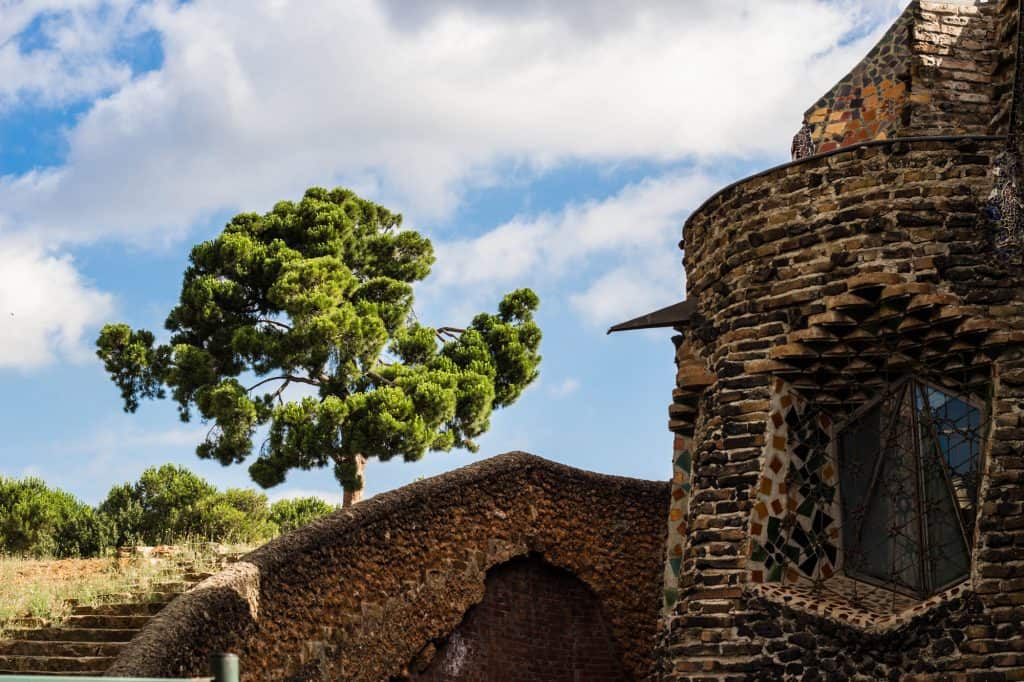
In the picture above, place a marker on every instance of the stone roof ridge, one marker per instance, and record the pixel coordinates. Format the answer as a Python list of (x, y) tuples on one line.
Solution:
[(515, 463)]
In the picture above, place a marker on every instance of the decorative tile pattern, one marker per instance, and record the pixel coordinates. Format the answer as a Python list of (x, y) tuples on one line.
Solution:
[(852, 602), (869, 103), (682, 470), (795, 525), (1004, 207), (803, 142)]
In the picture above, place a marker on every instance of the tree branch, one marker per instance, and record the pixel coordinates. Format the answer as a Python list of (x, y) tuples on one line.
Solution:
[(379, 379), (286, 378), (449, 332), (282, 325), (279, 391)]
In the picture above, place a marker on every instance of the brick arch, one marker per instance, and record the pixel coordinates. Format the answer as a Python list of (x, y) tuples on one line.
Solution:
[(535, 623), (359, 594)]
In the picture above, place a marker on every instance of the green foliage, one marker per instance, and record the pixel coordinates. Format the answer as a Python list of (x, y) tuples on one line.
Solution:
[(38, 521), (320, 292), (164, 505), (236, 516), (288, 515), (167, 505), (170, 504)]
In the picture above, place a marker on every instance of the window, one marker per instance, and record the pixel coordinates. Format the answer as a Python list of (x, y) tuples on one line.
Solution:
[(909, 466)]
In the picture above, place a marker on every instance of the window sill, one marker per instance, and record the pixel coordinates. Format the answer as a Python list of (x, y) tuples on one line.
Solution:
[(846, 601)]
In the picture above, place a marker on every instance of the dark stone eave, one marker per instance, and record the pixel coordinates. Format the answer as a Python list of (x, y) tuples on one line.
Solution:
[(671, 316)]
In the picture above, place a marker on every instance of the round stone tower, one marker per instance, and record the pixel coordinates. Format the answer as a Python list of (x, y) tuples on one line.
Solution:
[(848, 493)]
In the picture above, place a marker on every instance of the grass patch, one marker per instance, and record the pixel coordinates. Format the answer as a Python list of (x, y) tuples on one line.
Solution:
[(49, 589)]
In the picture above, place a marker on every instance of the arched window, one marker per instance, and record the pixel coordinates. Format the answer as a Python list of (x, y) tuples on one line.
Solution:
[(909, 467)]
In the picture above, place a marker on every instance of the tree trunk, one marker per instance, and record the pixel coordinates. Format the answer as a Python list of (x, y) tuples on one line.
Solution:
[(355, 494)]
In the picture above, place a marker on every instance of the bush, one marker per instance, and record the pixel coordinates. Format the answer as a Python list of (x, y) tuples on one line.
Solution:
[(38, 521), (83, 533), (167, 505), (291, 514), (236, 516), (163, 506)]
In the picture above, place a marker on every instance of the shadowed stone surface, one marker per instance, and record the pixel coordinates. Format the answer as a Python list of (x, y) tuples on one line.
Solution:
[(535, 623), (363, 593)]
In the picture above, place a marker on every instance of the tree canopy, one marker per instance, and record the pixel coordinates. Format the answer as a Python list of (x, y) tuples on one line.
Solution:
[(319, 293), (166, 505), (39, 521)]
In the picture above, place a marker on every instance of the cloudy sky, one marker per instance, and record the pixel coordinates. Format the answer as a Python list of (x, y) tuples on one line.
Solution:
[(556, 144)]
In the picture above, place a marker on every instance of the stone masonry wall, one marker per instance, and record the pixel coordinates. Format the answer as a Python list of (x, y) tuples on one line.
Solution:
[(771, 258), (955, 48), (370, 593), (1005, 23)]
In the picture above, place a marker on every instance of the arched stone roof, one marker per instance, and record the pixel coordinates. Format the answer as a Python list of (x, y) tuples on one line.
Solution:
[(359, 594)]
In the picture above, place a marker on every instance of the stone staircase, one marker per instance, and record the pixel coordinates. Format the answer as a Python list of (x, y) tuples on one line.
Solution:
[(87, 641)]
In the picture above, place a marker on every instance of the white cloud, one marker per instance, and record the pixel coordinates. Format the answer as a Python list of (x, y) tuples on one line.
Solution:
[(564, 388), (639, 216), (73, 51), (45, 307), (121, 439), (640, 225), (625, 293), (257, 100)]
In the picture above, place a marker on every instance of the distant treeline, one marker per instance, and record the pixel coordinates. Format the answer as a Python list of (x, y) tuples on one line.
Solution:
[(167, 505)]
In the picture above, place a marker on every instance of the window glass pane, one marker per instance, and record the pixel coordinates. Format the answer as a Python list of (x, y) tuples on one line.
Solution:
[(943, 449), (957, 425), (899, 486), (858, 455), (880, 531), (948, 558), (909, 468)]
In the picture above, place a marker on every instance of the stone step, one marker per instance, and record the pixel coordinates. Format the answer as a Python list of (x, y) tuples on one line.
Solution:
[(29, 647), (154, 596), (176, 586), (120, 609), (75, 634), (142, 595), (55, 664), (26, 622), (48, 673), (114, 622)]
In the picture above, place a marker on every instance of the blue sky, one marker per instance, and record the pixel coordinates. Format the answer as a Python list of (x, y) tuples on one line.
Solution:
[(556, 145)]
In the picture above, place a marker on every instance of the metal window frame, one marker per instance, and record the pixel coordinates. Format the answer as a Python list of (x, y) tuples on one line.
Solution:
[(907, 383)]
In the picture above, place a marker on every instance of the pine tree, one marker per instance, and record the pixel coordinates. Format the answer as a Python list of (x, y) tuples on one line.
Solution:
[(320, 293)]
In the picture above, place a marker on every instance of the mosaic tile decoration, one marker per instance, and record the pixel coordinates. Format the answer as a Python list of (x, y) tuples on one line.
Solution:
[(795, 524), (803, 143), (1004, 208), (851, 602), (682, 469), (869, 103)]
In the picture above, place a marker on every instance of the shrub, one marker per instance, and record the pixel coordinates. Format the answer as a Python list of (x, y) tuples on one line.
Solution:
[(295, 513), (167, 505), (38, 521), (163, 506), (236, 516)]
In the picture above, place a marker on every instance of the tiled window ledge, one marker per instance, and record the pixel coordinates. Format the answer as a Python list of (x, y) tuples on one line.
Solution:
[(845, 601)]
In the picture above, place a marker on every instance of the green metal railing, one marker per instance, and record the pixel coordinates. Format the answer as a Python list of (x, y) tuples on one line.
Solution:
[(223, 668)]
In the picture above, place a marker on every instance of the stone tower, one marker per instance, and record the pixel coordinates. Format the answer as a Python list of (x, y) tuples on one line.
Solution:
[(848, 493)]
